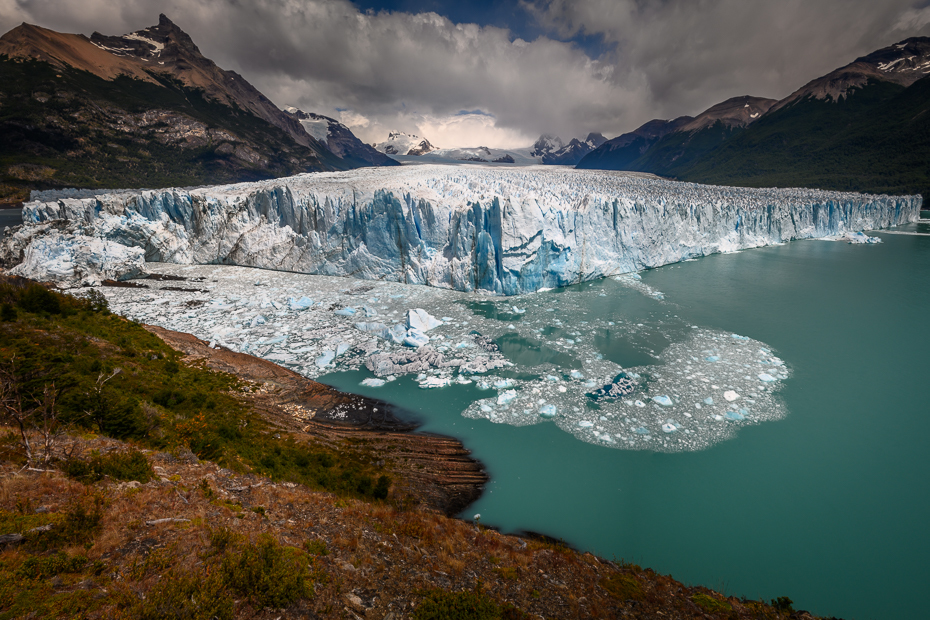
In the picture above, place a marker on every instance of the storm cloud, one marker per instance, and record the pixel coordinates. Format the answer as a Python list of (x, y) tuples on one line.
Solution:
[(467, 84)]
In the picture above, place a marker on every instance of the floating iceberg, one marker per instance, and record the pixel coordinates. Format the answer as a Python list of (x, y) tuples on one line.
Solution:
[(665, 401), (421, 320), (506, 397), (415, 338), (547, 411), (299, 304)]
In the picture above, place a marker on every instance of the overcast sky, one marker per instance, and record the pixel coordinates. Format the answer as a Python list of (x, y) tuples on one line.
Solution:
[(501, 73)]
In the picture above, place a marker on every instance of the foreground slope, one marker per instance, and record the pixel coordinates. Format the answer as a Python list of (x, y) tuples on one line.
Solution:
[(144, 109), (504, 230), (231, 503)]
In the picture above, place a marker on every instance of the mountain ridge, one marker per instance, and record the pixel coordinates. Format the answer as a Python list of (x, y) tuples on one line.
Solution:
[(144, 109), (860, 127)]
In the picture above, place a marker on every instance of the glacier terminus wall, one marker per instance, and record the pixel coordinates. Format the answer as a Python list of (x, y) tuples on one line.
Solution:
[(502, 230)]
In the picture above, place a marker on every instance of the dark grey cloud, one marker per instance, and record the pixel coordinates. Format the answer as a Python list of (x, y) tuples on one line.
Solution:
[(381, 71)]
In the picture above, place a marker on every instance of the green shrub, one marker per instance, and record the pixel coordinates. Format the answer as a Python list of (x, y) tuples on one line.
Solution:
[(222, 538), (710, 604), (783, 603), (79, 526), (37, 299), (269, 574), (130, 465), (182, 596), (623, 587), (315, 546), (7, 312), (37, 567), (443, 605)]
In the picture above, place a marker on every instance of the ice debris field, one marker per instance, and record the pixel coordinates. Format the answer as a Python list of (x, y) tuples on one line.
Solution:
[(572, 357)]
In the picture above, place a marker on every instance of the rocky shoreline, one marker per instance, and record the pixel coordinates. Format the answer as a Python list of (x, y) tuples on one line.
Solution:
[(434, 471)]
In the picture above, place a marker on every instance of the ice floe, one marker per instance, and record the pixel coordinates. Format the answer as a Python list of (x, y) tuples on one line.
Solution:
[(564, 368)]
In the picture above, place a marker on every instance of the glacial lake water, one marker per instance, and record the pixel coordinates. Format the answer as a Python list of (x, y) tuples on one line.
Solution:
[(828, 505), (775, 444)]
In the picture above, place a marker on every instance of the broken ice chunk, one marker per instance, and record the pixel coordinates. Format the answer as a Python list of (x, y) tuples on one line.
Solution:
[(730, 396), (372, 382), (374, 328), (505, 397), (665, 401), (733, 415), (547, 411), (668, 427), (712, 358), (576, 374), (641, 431), (346, 311), (258, 320), (299, 304), (415, 338), (708, 401), (766, 377), (342, 347), (435, 382), (326, 358), (395, 334), (421, 320), (585, 424), (503, 384)]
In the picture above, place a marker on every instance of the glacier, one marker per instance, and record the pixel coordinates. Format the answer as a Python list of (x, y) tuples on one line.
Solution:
[(469, 228)]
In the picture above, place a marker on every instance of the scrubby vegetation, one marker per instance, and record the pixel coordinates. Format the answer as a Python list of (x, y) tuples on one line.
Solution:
[(70, 363)]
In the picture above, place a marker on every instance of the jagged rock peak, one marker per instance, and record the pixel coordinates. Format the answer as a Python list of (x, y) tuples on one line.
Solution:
[(149, 42)]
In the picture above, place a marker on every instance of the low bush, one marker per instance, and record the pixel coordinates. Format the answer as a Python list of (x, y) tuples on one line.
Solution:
[(181, 596), (80, 524), (268, 574), (38, 567), (444, 605), (131, 465), (710, 604), (622, 586)]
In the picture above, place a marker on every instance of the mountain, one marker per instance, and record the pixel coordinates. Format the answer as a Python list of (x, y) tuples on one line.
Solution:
[(551, 150), (862, 127), (143, 109), (339, 139), (620, 152), (668, 145), (400, 143)]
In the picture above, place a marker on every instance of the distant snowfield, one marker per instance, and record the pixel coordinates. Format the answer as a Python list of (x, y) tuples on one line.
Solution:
[(505, 230)]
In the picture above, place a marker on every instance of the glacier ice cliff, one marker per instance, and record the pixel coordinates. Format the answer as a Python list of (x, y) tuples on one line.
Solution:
[(503, 230)]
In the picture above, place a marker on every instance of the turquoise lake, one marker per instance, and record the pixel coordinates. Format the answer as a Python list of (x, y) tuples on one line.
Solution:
[(828, 505)]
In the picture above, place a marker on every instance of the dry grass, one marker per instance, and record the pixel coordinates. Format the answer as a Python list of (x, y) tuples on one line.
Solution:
[(381, 555)]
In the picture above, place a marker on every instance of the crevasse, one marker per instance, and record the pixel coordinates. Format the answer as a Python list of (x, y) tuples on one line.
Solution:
[(503, 230)]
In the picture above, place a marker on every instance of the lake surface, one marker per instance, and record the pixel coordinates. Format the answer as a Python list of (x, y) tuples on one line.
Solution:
[(826, 501), (773, 443)]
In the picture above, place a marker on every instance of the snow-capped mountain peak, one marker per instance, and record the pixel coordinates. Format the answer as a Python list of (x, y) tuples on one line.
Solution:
[(400, 143), (338, 138)]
